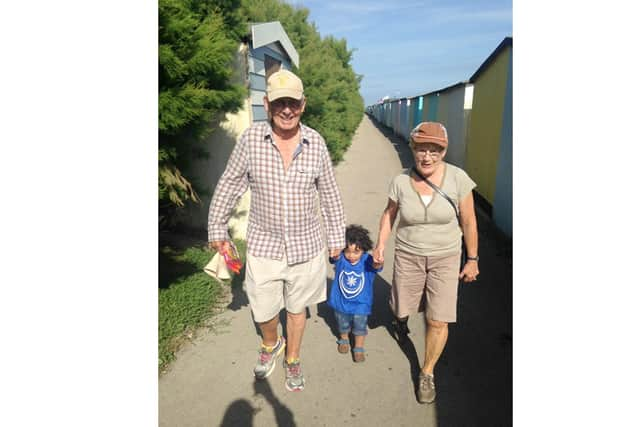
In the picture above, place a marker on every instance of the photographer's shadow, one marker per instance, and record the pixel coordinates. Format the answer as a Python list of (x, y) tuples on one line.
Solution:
[(241, 412), (284, 415)]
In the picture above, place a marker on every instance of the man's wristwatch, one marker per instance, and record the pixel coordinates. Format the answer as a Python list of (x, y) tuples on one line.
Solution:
[(473, 258)]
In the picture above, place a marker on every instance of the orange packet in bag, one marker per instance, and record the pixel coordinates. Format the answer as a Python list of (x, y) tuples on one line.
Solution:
[(232, 258)]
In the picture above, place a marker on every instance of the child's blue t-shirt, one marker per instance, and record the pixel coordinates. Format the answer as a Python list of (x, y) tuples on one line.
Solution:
[(352, 287)]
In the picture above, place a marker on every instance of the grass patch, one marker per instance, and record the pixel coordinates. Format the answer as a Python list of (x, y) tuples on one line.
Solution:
[(186, 296)]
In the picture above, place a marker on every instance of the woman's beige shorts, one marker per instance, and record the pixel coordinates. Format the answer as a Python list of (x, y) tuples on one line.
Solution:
[(435, 276), (272, 285)]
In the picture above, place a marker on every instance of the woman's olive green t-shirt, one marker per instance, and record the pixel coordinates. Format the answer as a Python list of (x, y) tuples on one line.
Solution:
[(430, 230)]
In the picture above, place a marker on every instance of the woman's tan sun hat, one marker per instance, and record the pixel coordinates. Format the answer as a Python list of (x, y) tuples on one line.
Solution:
[(430, 132)]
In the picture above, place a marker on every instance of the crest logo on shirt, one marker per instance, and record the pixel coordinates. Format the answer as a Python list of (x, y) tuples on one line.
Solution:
[(351, 283)]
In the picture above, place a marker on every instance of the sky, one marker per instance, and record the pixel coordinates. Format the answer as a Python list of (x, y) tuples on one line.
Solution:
[(413, 47)]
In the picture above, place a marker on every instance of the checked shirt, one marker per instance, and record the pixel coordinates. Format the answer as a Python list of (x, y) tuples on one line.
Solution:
[(283, 217)]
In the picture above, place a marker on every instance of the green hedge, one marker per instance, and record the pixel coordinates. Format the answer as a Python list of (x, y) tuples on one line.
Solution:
[(187, 296)]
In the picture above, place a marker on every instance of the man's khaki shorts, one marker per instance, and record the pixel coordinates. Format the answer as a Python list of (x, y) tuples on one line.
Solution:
[(272, 285), (434, 276)]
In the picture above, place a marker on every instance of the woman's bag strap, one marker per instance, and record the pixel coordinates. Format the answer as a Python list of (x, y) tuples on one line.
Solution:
[(440, 192)]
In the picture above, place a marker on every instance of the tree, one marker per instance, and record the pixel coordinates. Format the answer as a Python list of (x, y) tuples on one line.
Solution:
[(197, 43), (334, 105)]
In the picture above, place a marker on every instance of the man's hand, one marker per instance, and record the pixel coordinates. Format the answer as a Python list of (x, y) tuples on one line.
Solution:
[(334, 253), (219, 245)]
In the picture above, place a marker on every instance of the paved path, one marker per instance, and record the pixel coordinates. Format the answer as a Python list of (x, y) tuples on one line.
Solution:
[(211, 382)]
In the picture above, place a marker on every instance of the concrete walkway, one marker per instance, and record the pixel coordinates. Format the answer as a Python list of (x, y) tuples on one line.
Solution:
[(211, 382)]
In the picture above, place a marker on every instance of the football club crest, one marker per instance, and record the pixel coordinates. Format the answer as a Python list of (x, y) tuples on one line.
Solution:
[(351, 284)]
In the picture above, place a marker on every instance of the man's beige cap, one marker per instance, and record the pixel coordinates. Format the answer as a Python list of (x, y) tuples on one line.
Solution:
[(284, 84)]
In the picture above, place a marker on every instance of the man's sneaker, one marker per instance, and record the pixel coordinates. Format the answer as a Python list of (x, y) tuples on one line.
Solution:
[(427, 389), (267, 360), (295, 379)]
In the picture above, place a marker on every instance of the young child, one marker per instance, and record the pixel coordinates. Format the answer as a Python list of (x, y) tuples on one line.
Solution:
[(351, 294)]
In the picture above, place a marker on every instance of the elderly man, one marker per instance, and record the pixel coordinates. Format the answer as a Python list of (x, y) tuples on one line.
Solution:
[(287, 166)]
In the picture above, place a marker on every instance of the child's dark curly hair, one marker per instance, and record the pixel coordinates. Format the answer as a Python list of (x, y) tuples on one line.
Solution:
[(359, 236)]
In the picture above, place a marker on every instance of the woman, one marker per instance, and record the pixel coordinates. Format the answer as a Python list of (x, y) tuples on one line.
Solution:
[(428, 249)]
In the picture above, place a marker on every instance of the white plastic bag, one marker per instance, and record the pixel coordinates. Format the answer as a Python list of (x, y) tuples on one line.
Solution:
[(217, 268)]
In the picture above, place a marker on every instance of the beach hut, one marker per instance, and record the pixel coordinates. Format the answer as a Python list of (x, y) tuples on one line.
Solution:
[(488, 158), (453, 113), (269, 51)]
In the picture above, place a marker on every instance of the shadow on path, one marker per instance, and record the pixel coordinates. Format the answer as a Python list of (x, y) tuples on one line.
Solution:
[(241, 412), (381, 316), (474, 375), (239, 296), (284, 416), (398, 143), (326, 313)]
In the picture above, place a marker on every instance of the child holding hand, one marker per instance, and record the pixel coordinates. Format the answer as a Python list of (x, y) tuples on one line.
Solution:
[(351, 294)]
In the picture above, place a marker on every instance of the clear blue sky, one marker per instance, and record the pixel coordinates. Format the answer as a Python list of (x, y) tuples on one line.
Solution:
[(413, 47)]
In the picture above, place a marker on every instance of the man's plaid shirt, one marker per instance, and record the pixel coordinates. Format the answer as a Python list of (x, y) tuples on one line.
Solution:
[(283, 215)]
